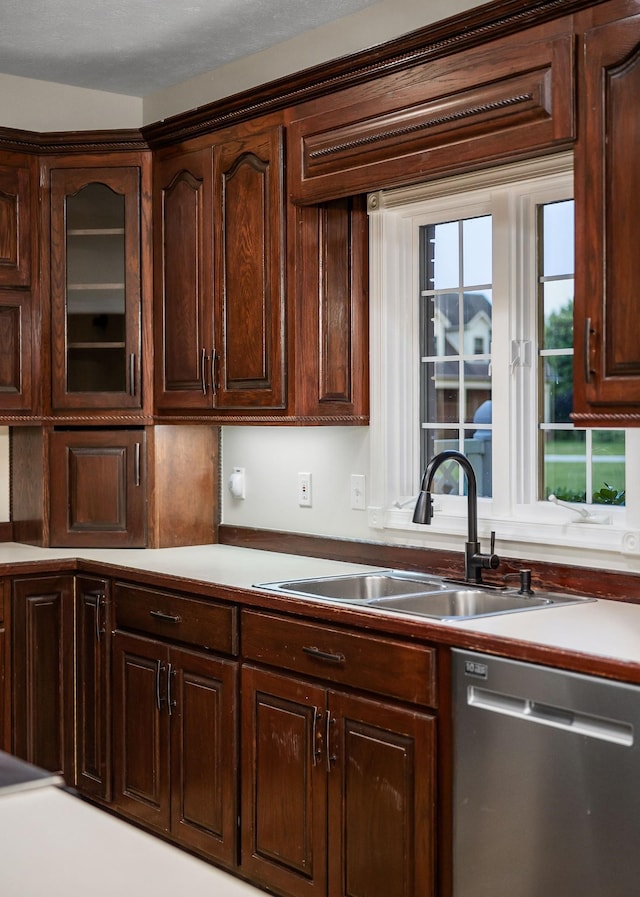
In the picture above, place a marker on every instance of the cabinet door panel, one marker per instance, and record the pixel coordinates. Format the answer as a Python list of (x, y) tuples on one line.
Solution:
[(15, 226), (184, 314), (15, 352), (43, 673), (332, 333), (141, 730), (203, 753), (381, 799), (283, 783), (249, 289), (97, 491), (92, 684), (96, 288), (607, 364)]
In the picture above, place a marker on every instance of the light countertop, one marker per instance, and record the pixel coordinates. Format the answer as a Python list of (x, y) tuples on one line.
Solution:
[(604, 629), (53, 844)]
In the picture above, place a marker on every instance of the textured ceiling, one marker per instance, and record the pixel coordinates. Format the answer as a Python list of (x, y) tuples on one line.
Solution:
[(136, 47)]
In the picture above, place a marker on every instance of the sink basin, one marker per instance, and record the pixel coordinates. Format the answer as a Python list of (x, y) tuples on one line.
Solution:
[(424, 595), (360, 587), (462, 603)]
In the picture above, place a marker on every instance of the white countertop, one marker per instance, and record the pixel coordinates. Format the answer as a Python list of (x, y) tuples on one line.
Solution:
[(606, 629), (53, 844)]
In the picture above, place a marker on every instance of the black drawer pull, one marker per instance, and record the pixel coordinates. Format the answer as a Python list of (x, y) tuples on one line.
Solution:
[(166, 618), (312, 651)]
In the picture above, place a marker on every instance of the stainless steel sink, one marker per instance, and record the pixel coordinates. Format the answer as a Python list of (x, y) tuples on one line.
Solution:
[(424, 595), (360, 587), (462, 602)]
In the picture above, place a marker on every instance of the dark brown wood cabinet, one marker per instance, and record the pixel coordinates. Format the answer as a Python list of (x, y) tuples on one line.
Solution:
[(18, 229), (153, 487), (348, 806), (174, 718), (220, 316), (18, 274), (338, 788), (97, 488), (100, 280), (607, 192), (93, 687), (183, 243), (17, 381), (509, 97), (5, 665), (331, 278), (249, 292), (43, 672)]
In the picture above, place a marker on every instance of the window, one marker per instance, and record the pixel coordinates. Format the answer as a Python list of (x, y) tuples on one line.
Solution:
[(472, 348)]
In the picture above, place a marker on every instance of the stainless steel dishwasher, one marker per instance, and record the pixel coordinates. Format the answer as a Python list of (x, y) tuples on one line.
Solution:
[(546, 782)]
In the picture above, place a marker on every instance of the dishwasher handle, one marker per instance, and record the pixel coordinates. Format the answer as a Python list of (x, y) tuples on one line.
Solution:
[(568, 720)]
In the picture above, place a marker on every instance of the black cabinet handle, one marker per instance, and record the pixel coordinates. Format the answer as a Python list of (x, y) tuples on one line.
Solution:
[(166, 618), (159, 669), (132, 374), (171, 703), (203, 371), (587, 347), (319, 654), (136, 464)]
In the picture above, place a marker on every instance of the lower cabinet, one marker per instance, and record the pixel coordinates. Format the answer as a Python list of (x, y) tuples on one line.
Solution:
[(43, 673), (5, 666), (61, 678), (174, 726), (338, 790), (93, 692)]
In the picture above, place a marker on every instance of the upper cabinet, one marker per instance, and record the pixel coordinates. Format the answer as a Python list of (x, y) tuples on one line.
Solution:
[(17, 229), (183, 280), (509, 97), (249, 256), (330, 276), (220, 292), (607, 191), (18, 276), (99, 277)]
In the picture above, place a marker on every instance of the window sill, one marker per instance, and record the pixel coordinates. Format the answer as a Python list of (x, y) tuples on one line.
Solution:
[(577, 541)]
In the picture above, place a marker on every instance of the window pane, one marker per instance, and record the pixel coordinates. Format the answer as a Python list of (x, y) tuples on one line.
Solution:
[(442, 391), (557, 229), (477, 322), (565, 464), (608, 467), (476, 255), (442, 326), (557, 382), (557, 298), (434, 441), (443, 256)]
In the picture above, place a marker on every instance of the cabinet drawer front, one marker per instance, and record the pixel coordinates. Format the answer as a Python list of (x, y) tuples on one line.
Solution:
[(202, 623), (373, 663)]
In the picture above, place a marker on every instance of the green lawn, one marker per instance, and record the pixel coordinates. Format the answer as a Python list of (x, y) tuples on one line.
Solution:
[(567, 476)]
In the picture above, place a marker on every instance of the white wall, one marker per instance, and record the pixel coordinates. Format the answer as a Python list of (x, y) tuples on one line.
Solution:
[(32, 105), (373, 25), (272, 458)]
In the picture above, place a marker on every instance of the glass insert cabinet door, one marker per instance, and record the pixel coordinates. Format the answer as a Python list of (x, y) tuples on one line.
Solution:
[(95, 288)]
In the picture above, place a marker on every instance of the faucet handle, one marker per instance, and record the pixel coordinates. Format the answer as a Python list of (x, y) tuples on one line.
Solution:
[(492, 560)]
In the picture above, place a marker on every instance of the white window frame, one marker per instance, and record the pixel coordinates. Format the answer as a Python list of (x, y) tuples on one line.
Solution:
[(521, 521)]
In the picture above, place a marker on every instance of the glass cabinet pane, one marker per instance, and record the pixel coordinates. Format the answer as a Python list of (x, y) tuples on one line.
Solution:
[(95, 290)]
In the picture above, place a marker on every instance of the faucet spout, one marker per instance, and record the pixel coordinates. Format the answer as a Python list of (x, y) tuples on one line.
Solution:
[(475, 560)]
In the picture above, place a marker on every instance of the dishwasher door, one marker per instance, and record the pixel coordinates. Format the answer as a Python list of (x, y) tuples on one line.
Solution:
[(546, 782)]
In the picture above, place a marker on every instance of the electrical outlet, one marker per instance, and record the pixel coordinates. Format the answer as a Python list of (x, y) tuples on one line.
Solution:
[(304, 490), (358, 492)]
